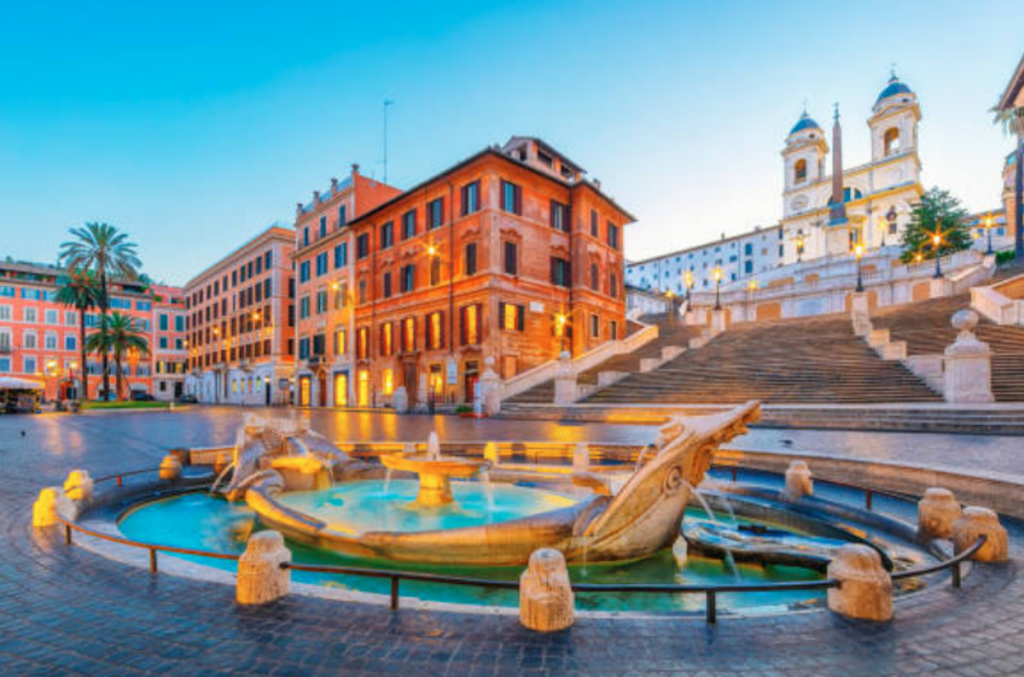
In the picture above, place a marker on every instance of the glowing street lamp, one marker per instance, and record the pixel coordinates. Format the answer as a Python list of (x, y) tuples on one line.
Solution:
[(858, 253), (936, 242), (988, 227), (799, 246), (688, 281), (560, 322), (718, 286), (752, 286)]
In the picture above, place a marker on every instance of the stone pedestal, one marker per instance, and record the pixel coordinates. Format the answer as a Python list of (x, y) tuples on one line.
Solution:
[(260, 576), (490, 388), (565, 380), (967, 363), (78, 486), (799, 482), (865, 590), (400, 400), (170, 468), (545, 595), (936, 513), (939, 287), (975, 522), (718, 322), (860, 314), (50, 503)]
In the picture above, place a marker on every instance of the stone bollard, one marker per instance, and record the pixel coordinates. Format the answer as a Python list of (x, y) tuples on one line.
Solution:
[(51, 503), (565, 380), (865, 590), (937, 512), (798, 480), (967, 363), (975, 522), (260, 576), (545, 594), (170, 468), (78, 486)]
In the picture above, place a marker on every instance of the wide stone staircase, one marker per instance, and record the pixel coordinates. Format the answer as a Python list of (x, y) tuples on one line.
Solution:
[(926, 328), (797, 361)]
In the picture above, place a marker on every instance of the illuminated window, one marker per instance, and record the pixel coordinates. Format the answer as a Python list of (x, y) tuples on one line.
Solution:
[(364, 388), (470, 325), (800, 171), (386, 339), (363, 343), (388, 381), (512, 316), (891, 140), (340, 342), (435, 331), (341, 389), (409, 334)]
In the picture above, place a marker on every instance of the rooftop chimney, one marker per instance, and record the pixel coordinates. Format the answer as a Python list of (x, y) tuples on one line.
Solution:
[(316, 197), (334, 184), (355, 167)]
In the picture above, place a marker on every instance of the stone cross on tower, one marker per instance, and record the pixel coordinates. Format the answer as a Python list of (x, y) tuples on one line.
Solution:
[(837, 206)]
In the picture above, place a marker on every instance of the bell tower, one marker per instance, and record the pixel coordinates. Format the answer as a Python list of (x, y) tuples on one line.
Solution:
[(803, 162), (893, 122)]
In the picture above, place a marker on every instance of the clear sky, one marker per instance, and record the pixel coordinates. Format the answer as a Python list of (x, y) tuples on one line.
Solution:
[(193, 125)]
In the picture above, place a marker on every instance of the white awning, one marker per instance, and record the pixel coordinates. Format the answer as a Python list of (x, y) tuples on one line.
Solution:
[(12, 383)]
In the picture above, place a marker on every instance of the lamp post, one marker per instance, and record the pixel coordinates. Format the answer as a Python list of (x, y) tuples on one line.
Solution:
[(718, 287), (937, 241), (71, 374), (858, 253), (799, 246), (688, 281), (561, 321), (988, 227), (52, 372)]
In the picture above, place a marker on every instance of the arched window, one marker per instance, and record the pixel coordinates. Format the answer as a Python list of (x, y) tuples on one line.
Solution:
[(800, 171), (891, 141)]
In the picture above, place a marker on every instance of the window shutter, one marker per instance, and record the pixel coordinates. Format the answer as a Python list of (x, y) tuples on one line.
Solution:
[(479, 323), (520, 317), (519, 199), (462, 326), (501, 315), (551, 213)]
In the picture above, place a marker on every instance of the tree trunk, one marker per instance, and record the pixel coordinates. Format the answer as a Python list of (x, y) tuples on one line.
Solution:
[(83, 394), (1019, 199), (104, 306), (117, 365)]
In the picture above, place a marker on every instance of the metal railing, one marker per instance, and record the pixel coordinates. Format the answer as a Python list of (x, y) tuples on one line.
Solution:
[(710, 592)]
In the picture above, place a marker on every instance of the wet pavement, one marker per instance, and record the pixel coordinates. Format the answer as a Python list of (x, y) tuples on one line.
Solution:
[(64, 610)]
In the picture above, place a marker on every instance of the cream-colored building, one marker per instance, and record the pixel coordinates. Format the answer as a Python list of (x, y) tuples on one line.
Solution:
[(878, 196)]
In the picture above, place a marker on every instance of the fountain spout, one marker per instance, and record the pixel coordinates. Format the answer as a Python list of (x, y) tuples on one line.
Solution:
[(434, 471)]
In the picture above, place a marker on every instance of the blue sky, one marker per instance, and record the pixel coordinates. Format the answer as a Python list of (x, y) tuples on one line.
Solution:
[(194, 125)]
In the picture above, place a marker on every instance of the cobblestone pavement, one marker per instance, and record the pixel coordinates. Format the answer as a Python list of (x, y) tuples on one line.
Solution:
[(66, 610)]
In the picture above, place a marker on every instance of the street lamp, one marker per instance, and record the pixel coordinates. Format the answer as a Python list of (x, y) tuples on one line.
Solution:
[(718, 286), (51, 371), (858, 253), (936, 241), (988, 227), (688, 281), (561, 321)]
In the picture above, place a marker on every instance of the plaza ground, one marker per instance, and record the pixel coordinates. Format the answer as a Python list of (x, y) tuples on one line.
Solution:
[(64, 609)]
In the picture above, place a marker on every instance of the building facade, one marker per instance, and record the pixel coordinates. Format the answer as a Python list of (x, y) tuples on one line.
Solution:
[(510, 254), (323, 252), (169, 342), (241, 323), (738, 257), (40, 338), (877, 198)]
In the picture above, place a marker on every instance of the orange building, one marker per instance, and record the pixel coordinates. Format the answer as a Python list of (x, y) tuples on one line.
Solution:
[(39, 338), (169, 342), (240, 323), (510, 254)]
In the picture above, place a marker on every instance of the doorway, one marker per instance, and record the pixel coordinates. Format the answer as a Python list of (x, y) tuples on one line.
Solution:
[(409, 377), (321, 388), (305, 384), (341, 389), (364, 388)]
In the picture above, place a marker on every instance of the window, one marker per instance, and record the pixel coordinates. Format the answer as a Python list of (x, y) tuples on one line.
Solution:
[(340, 342), (363, 246), (891, 141), (388, 381), (303, 307), (5, 365), (513, 316), (363, 343), (386, 339), (511, 258), (162, 322), (267, 288), (470, 198), (28, 365), (268, 259), (162, 343), (305, 236), (304, 271), (435, 271), (613, 328), (470, 259), (800, 171), (408, 280), (511, 198), (435, 213), (340, 295), (303, 348), (29, 340), (259, 267), (435, 330), (613, 235), (748, 267), (71, 343), (593, 223), (5, 340), (323, 226), (409, 334), (595, 283), (30, 315), (387, 235), (559, 215), (50, 341), (386, 285), (469, 325), (321, 301), (409, 224), (321, 264), (559, 272), (362, 291), (595, 326), (51, 316), (613, 285), (342, 216), (5, 312), (341, 255)]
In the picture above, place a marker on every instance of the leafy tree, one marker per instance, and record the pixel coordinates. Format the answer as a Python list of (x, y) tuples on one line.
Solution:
[(80, 290), (105, 250), (936, 212), (118, 334), (1012, 122)]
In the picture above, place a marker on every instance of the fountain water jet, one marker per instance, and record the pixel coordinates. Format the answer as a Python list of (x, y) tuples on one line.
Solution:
[(434, 470)]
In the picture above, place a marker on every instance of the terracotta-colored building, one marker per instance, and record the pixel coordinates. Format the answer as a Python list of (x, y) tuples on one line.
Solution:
[(510, 254), (39, 338), (169, 342), (240, 323), (1013, 97)]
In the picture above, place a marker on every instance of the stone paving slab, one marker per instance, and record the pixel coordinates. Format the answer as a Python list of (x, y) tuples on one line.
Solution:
[(64, 610)]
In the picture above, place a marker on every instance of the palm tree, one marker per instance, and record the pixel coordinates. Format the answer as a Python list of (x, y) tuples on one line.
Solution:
[(81, 291), (1012, 122), (118, 334), (103, 249)]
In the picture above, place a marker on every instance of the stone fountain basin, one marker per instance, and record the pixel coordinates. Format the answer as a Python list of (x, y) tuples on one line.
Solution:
[(449, 466)]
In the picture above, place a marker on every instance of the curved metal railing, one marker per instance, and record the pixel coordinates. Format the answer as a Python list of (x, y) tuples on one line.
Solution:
[(710, 592)]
